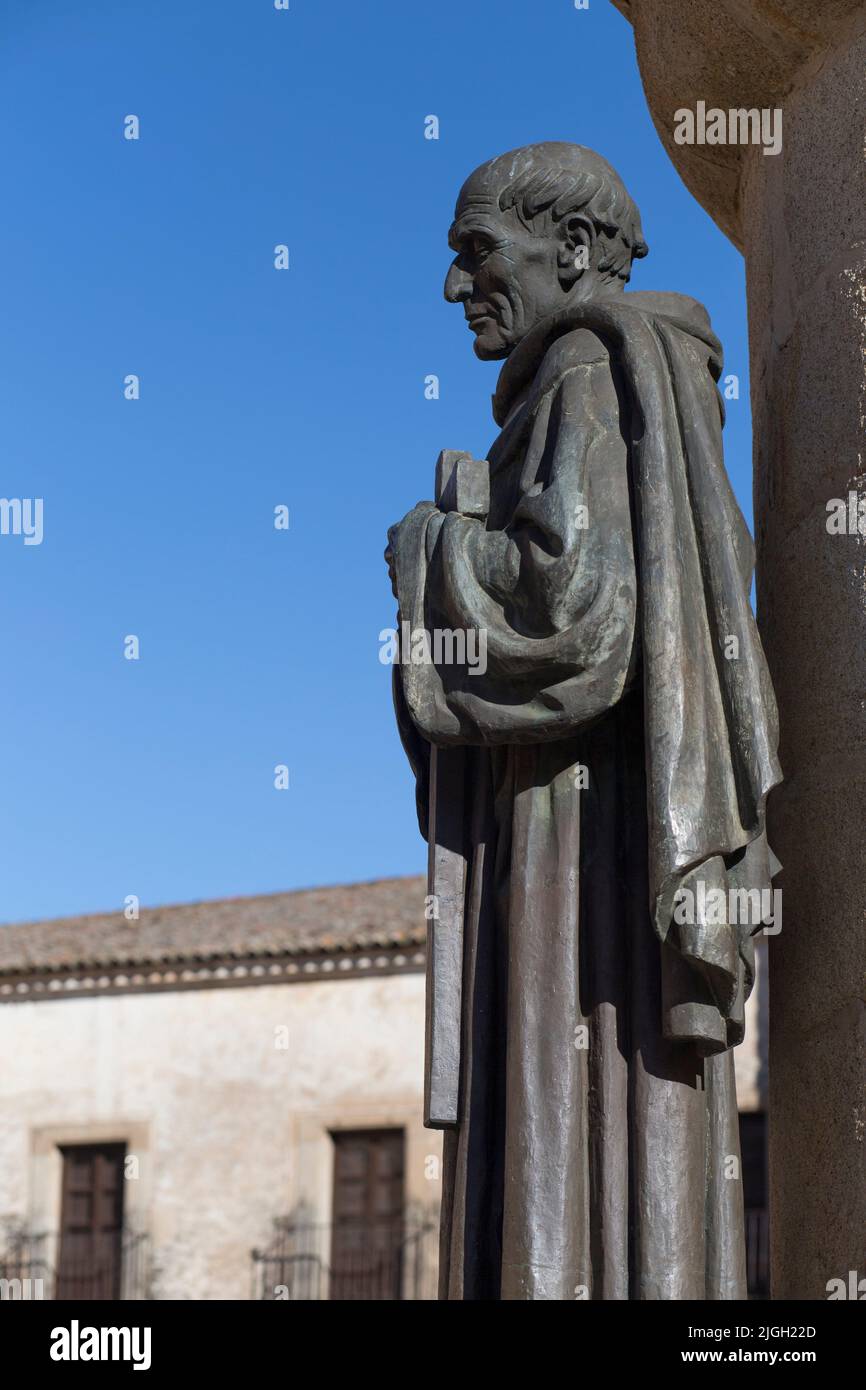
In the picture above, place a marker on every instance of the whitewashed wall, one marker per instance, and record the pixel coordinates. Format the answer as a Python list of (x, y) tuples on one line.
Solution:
[(230, 1127)]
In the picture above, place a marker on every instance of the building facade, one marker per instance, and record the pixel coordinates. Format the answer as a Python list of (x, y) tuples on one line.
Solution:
[(223, 1101)]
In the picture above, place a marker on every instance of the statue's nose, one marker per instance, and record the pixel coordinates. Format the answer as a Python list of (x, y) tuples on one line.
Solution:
[(458, 285)]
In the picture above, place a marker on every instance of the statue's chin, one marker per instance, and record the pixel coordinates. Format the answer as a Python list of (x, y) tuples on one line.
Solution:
[(490, 349)]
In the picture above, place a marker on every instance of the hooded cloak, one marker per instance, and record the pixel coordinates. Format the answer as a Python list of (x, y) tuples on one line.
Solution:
[(617, 750)]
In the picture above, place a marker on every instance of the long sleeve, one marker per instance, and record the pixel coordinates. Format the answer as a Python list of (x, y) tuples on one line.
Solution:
[(548, 598)]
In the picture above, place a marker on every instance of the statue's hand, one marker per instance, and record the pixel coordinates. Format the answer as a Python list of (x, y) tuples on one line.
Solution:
[(425, 508)]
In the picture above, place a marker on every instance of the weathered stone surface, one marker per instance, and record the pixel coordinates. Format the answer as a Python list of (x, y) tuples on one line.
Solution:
[(731, 54), (800, 218)]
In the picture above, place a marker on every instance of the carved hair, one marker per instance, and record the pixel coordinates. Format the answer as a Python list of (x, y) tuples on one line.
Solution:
[(590, 186)]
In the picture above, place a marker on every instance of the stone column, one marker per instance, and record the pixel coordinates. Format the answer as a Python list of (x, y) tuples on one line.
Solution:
[(800, 219)]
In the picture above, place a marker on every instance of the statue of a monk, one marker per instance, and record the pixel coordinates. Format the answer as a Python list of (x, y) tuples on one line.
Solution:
[(599, 779)]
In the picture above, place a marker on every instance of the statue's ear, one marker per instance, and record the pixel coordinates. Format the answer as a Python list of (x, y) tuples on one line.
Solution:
[(576, 239)]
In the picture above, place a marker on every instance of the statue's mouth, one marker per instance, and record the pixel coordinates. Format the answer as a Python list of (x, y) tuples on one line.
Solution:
[(474, 321)]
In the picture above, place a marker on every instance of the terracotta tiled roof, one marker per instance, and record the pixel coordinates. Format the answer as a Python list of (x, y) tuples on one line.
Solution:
[(353, 917)]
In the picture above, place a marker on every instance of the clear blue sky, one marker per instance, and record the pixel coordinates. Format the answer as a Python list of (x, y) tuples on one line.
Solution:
[(258, 387)]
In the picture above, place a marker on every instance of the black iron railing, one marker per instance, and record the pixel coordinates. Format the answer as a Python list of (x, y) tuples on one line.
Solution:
[(382, 1261), (45, 1266), (312, 1261)]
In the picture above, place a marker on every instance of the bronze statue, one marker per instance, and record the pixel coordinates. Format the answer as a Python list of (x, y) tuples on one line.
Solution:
[(605, 766)]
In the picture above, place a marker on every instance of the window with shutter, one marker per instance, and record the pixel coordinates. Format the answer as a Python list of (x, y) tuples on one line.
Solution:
[(91, 1221), (368, 1217)]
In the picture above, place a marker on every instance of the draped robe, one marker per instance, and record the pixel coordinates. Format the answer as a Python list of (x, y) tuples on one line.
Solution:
[(618, 748)]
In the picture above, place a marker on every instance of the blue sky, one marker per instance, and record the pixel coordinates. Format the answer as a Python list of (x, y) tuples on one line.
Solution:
[(258, 387)]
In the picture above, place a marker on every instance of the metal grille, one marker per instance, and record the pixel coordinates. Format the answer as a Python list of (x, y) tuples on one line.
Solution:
[(387, 1262), (31, 1257)]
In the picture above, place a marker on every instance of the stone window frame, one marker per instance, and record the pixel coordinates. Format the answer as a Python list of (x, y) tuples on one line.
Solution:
[(45, 1178), (312, 1168)]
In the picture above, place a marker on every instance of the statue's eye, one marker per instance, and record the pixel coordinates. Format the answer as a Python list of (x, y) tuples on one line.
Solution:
[(479, 248)]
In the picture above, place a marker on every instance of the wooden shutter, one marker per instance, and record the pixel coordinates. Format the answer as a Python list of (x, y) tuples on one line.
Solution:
[(91, 1222), (367, 1242)]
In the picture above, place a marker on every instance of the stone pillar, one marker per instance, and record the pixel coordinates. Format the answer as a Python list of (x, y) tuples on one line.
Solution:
[(800, 218)]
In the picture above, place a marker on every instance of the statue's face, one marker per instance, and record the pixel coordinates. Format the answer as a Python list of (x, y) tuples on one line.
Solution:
[(506, 277)]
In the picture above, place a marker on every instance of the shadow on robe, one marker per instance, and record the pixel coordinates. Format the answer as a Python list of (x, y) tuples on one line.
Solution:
[(591, 1153), (591, 1135)]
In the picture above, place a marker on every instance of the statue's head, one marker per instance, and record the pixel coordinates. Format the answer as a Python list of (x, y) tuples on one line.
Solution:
[(535, 231)]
